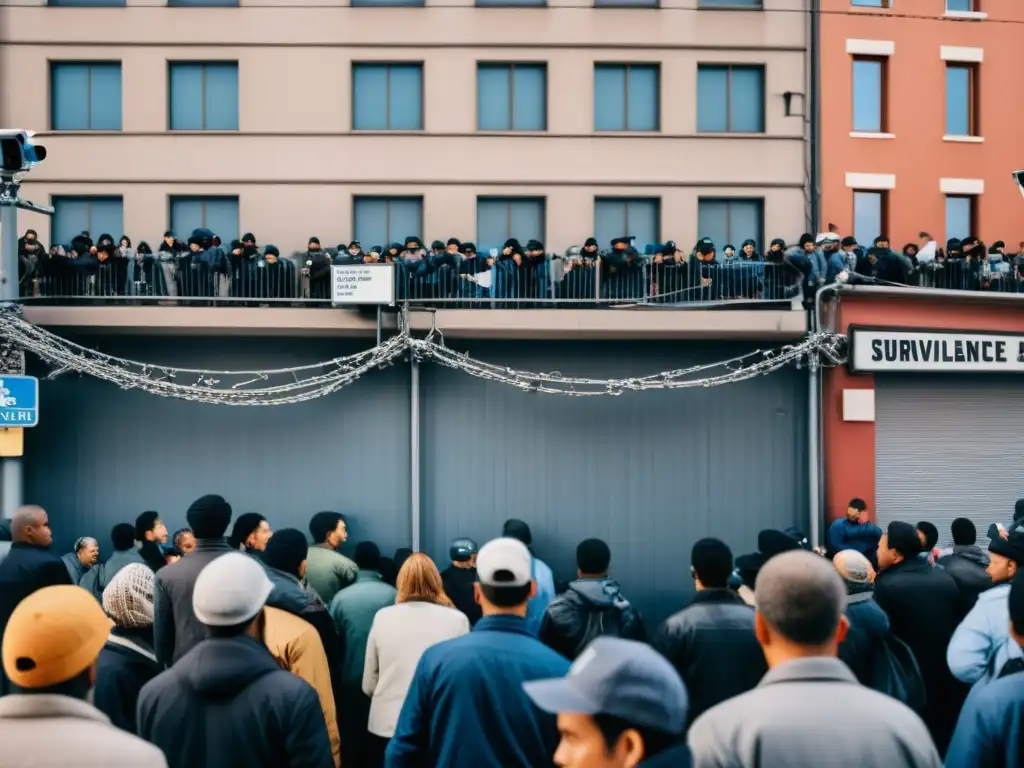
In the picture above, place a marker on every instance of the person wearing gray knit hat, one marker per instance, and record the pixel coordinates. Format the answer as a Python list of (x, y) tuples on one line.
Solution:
[(127, 662), (869, 624)]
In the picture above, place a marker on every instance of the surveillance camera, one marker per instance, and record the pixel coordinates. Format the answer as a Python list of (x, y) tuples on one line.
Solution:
[(1018, 176), (18, 152)]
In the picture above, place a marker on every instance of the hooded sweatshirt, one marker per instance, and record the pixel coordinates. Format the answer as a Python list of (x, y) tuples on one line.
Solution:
[(589, 609), (228, 702)]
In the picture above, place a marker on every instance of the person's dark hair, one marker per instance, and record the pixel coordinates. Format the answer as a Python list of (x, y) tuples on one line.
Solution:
[(145, 523), (712, 562), (903, 538), (122, 536), (77, 687), (858, 504), (286, 551), (593, 557), (367, 556), (209, 516), (401, 555), (655, 742), (517, 529), (1018, 510), (506, 597), (801, 596), (322, 524), (931, 533), (964, 532), (388, 572), (178, 534), (245, 525), (1017, 604), (237, 629)]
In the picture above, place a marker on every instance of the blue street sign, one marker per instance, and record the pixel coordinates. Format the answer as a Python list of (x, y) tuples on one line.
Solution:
[(19, 401)]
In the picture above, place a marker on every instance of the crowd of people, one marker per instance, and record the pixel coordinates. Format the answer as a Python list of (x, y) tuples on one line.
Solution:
[(231, 644), (202, 266)]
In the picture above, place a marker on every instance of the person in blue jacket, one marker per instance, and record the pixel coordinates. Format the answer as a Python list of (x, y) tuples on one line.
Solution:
[(990, 731), (538, 605), (466, 705), (854, 532)]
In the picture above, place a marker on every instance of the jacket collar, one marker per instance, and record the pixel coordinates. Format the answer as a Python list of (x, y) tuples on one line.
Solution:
[(503, 623), (132, 644), (213, 545), (28, 545), (716, 595), (40, 706), (673, 757), (368, 576), (813, 669)]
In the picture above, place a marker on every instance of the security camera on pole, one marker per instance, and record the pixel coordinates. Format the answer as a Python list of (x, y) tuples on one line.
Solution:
[(19, 403)]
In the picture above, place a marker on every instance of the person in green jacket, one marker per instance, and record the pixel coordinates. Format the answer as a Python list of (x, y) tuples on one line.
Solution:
[(123, 538), (353, 609), (327, 570)]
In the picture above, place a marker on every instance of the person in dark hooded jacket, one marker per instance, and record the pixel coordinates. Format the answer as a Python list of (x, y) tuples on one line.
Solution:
[(227, 703), (317, 268), (967, 563), (711, 641), (591, 607), (869, 625), (31, 254)]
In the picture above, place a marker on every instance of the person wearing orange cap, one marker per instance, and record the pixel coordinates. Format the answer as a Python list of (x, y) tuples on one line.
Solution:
[(49, 654)]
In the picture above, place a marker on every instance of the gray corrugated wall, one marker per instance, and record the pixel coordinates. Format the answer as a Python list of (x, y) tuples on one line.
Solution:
[(648, 472)]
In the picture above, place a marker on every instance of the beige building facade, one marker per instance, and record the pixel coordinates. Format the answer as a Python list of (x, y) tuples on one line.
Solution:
[(316, 145)]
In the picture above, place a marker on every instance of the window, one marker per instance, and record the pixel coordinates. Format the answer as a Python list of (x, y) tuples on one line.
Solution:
[(499, 218), (204, 96), (730, 222), (730, 99), (869, 216), (85, 97), (87, 3), (868, 95), (756, 4), (626, 97), (961, 100), (384, 220), (95, 215), (967, 6), (959, 216), (387, 97), (511, 97), (623, 216), (870, 3), (217, 214)]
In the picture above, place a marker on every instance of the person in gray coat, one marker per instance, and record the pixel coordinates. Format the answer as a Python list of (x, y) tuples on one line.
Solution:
[(96, 579), (82, 557), (176, 630), (809, 709)]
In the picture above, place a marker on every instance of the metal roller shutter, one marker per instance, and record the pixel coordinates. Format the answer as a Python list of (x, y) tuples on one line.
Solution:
[(949, 447)]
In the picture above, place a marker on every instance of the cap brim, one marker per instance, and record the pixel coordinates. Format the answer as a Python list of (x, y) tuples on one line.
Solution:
[(557, 696)]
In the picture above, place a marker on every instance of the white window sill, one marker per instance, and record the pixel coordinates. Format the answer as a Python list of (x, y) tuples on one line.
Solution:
[(866, 135), (965, 15), (965, 139)]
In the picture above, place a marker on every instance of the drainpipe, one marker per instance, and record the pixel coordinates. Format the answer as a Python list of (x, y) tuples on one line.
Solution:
[(815, 114), (414, 451), (815, 462), (11, 467)]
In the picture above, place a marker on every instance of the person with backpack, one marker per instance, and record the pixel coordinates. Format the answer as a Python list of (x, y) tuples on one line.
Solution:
[(591, 607), (877, 659)]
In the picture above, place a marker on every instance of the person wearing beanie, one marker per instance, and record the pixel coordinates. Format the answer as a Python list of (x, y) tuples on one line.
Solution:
[(982, 645), (998, 529), (929, 536), (808, 710), (29, 565), (966, 562), (711, 642), (770, 542), (49, 653), (327, 570), (459, 577), (176, 629), (299, 631), (250, 534), (542, 574), (122, 537), (989, 732), (924, 607), (229, 701), (593, 605), (151, 532), (353, 610), (82, 557), (127, 662)]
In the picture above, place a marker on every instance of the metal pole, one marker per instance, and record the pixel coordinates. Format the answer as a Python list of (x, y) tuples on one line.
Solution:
[(379, 321), (815, 109), (414, 451), (813, 447), (11, 469)]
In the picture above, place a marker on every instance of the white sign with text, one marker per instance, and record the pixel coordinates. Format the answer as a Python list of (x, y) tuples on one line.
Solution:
[(877, 350), (363, 284)]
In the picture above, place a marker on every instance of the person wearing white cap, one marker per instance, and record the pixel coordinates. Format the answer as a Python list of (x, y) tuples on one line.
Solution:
[(227, 703), (466, 704)]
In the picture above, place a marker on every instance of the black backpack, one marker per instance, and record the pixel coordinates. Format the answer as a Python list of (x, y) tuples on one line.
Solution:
[(895, 673)]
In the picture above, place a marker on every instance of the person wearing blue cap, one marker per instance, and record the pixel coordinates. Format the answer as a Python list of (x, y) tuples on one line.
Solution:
[(621, 705), (459, 577)]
